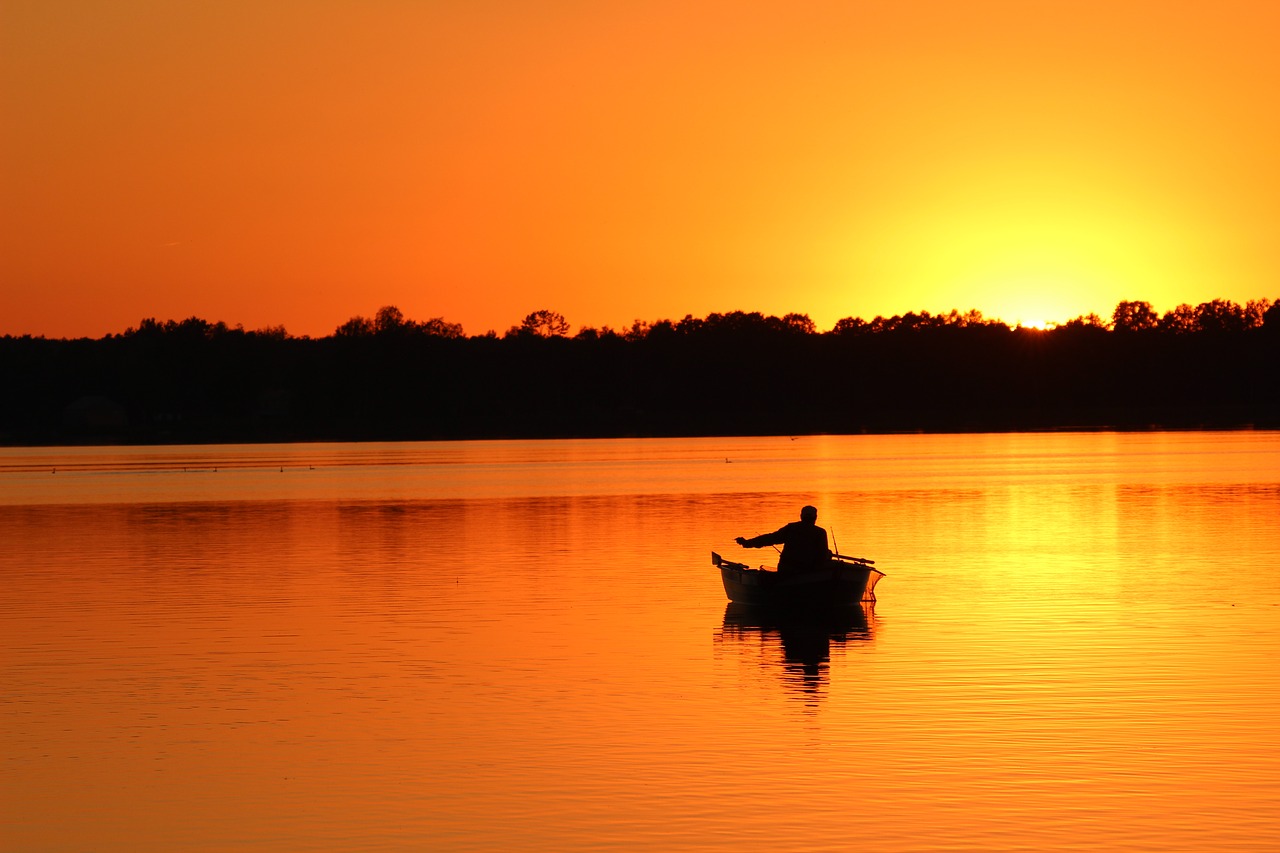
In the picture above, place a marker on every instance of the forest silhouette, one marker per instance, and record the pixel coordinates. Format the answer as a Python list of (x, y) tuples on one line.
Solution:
[(1215, 365)]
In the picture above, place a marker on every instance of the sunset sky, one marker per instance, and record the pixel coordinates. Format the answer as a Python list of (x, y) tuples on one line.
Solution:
[(297, 163)]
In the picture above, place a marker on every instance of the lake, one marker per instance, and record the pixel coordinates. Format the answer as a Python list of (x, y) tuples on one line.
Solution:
[(474, 646)]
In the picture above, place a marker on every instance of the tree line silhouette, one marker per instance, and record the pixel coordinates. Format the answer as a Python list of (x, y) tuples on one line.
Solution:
[(392, 378)]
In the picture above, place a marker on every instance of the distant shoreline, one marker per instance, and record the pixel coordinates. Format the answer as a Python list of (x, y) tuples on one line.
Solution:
[(726, 375), (1151, 428)]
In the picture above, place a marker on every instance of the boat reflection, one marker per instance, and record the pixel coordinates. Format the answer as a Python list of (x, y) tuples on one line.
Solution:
[(798, 642)]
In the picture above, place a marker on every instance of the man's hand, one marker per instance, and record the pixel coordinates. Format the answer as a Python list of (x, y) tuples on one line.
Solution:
[(741, 540)]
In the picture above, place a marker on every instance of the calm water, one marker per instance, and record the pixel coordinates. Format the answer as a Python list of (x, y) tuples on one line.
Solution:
[(523, 646)]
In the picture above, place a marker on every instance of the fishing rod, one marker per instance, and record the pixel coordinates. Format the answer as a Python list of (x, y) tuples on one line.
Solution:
[(838, 556)]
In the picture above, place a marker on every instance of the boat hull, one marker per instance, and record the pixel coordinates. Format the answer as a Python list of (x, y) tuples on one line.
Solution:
[(835, 585)]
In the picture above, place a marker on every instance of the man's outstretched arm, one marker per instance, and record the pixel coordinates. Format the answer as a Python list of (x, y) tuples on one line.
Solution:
[(775, 538)]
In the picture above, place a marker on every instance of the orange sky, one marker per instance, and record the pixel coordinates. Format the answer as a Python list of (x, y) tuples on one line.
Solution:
[(300, 162)]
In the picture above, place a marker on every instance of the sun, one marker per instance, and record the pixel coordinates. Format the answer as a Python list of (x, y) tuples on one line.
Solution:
[(1039, 309), (1041, 298), (1040, 302)]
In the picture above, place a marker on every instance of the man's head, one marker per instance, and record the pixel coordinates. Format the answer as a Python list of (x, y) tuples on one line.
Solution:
[(809, 514)]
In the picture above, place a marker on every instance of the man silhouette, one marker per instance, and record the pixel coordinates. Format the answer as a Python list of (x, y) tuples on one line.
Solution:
[(804, 543)]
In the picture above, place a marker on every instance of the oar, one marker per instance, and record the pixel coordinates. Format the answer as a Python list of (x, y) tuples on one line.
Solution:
[(717, 560), (838, 556), (859, 560)]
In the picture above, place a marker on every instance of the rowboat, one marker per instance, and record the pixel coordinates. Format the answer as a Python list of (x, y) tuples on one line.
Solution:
[(842, 582)]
